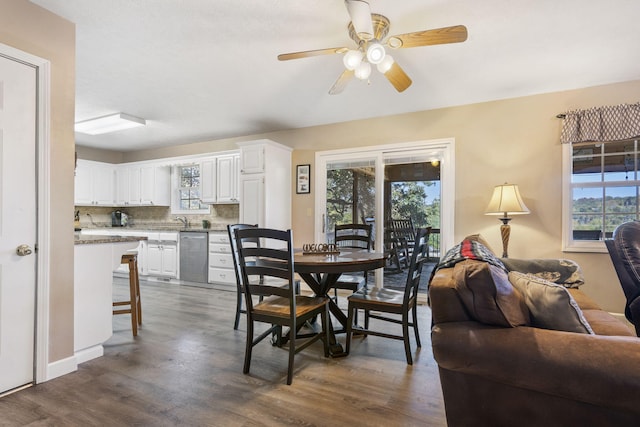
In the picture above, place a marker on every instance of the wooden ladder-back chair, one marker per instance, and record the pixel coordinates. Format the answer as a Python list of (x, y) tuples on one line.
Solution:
[(352, 236), (236, 267), (393, 302), (231, 228), (273, 261)]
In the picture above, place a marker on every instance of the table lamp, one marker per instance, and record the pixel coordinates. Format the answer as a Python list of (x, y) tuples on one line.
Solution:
[(506, 201)]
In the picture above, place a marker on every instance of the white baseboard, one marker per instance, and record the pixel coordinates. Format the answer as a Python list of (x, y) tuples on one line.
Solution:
[(61, 367), (89, 353)]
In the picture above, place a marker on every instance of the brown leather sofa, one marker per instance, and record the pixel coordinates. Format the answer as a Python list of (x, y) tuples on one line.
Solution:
[(528, 376)]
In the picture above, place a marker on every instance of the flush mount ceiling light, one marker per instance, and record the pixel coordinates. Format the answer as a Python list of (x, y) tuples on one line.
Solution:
[(110, 123)]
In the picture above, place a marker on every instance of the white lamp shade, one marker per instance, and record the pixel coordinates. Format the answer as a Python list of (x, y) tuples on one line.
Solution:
[(385, 64), (352, 59), (375, 53), (506, 201), (363, 71)]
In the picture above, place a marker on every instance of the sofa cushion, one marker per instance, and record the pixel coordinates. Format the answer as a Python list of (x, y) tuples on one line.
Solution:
[(564, 272), (551, 305), (487, 295)]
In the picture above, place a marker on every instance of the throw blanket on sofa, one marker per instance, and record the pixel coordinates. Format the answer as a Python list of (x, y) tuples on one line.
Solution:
[(468, 249)]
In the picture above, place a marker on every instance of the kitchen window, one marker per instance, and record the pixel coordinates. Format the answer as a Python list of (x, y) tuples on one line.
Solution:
[(601, 192), (186, 190)]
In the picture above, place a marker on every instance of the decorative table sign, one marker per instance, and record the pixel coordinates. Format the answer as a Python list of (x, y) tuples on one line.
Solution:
[(320, 249)]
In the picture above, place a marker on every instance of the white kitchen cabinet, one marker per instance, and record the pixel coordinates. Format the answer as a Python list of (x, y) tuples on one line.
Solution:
[(94, 184), (227, 179), (162, 255), (127, 186), (252, 158), (143, 185), (208, 180), (219, 179), (252, 206), (221, 269), (155, 185), (265, 197)]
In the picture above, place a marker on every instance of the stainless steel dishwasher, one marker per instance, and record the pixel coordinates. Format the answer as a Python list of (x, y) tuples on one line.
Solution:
[(194, 252)]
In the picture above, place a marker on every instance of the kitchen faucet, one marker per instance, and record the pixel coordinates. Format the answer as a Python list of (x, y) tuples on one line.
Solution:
[(183, 220)]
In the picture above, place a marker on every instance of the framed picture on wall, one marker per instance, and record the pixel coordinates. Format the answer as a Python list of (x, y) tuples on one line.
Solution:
[(303, 179)]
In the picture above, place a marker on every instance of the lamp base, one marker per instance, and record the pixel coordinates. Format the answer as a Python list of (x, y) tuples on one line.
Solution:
[(505, 232)]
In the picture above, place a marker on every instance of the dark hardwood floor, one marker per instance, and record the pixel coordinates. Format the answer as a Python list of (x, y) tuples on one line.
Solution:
[(185, 368)]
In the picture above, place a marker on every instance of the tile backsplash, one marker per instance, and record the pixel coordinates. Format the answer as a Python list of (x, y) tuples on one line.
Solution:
[(141, 216)]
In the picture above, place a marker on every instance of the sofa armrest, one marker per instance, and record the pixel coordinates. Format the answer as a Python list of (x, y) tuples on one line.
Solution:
[(600, 370)]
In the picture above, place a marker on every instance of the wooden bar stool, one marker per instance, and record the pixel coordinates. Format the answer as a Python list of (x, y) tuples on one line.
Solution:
[(134, 302)]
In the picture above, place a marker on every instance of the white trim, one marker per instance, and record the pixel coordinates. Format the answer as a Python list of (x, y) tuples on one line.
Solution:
[(90, 353), (568, 244), (61, 367)]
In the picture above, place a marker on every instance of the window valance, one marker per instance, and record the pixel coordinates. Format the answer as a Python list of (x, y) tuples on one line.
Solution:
[(611, 123)]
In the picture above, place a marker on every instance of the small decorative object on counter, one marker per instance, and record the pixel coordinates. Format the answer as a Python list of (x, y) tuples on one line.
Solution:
[(206, 224), (320, 249)]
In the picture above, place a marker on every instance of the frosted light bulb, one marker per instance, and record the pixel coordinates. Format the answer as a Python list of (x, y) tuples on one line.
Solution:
[(352, 59)]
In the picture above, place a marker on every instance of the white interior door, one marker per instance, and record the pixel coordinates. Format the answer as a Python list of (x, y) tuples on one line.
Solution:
[(17, 222)]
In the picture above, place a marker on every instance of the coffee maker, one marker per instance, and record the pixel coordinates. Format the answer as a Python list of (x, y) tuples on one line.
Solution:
[(119, 219)]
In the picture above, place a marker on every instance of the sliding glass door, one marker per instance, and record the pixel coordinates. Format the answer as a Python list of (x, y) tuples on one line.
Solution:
[(413, 182)]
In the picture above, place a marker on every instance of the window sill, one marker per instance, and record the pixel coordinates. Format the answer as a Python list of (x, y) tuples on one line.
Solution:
[(586, 246)]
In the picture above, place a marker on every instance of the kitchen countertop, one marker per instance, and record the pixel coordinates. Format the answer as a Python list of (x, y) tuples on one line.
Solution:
[(160, 227), (81, 239)]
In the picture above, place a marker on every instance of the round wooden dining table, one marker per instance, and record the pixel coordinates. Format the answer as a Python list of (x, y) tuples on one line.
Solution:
[(322, 271)]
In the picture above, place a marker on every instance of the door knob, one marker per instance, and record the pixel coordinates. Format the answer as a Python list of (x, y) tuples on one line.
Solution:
[(23, 250)]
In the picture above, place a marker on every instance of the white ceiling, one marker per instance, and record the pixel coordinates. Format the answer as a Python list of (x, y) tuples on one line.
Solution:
[(201, 70)]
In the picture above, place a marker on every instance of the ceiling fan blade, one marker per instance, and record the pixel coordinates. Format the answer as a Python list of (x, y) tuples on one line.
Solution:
[(342, 82), (398, 78), (360, 14), (309, 53), (455, 34)]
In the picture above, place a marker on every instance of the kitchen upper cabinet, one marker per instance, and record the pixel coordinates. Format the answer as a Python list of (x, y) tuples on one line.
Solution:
[(94, 184), (127, 192), (208, 180), (143, 185), (265, 197), (155, 185), (252, 158), (219, 179), (227, 179)]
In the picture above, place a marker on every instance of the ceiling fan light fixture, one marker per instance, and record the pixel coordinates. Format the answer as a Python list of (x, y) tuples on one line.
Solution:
[(375, 53), (363, 71), (386, 64), (352, 59)]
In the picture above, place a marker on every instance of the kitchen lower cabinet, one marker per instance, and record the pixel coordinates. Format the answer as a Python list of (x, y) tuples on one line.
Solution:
[(221, 269), (162, 259)]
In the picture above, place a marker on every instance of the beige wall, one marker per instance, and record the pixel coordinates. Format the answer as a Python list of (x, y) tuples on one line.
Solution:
[(513, 140), (32, 29)]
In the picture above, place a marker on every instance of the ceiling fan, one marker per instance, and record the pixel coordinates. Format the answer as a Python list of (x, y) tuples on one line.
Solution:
[(368, 31)]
